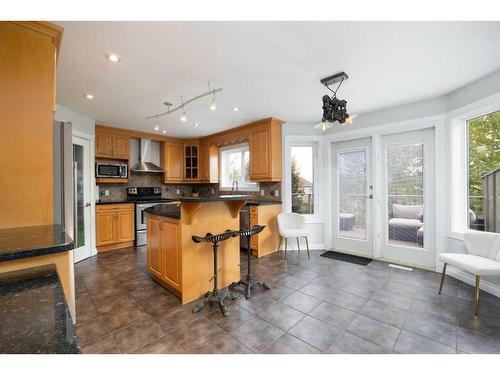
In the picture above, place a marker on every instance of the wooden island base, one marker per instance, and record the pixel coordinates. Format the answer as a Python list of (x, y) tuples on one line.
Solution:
[(185, 267)]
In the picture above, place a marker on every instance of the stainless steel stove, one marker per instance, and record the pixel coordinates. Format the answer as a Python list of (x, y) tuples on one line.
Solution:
[(143, 197)]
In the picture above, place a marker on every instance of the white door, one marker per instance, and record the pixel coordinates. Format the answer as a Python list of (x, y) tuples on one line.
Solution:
[(352, 197), (408, 198), (82, 198)]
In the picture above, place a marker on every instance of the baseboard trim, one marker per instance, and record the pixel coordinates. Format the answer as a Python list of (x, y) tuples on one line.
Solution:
[(471, 280)]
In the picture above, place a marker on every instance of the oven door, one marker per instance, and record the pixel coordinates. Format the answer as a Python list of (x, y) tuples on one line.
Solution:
[(141, 215), (108, 170)]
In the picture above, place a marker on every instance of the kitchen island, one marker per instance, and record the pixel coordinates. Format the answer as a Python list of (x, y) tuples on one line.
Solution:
[(186, 268)]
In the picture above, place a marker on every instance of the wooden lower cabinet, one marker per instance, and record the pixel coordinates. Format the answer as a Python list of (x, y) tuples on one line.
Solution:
[(267, 241), (115, 227), (164, 250)]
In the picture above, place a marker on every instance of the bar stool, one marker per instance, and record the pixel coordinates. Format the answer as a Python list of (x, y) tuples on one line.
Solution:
[(250, 282), (216, 295)]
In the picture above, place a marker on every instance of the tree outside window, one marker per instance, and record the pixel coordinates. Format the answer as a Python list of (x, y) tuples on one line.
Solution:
[(302, 179)]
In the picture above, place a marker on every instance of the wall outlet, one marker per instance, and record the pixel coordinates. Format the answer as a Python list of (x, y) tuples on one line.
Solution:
[(106, 193), (177, 191), (276, 193), (262, 192)]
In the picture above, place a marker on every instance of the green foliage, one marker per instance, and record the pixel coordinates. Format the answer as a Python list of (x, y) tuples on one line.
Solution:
[(484, 154)]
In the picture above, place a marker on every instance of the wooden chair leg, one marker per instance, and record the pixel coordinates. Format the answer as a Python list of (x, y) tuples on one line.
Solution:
[(286, 246), (298, 244), (442, 278), (307, 247), (476, 299)]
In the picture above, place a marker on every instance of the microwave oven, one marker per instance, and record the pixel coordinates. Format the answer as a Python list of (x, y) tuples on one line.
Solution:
[(111, 170)]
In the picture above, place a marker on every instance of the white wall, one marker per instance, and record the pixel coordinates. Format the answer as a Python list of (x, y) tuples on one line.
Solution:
[(438, 110)]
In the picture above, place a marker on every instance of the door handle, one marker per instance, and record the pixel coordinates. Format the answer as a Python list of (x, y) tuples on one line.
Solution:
[(87, 204)]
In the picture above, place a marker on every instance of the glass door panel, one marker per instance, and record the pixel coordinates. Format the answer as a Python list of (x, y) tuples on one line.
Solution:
[(352, 194)]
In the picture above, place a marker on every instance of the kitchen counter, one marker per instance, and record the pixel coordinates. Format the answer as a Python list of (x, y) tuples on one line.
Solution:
[(172, 211), (26, 242), (34, 314), (215, 198), (259, 202)]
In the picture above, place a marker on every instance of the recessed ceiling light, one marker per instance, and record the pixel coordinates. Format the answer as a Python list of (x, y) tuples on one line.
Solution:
[(164, 131), (157, 127), (196, 124), (114, 58), (236, 109), (89, 96)]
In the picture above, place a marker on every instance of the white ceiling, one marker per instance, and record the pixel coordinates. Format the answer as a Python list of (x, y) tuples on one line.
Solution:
[(265, 68)]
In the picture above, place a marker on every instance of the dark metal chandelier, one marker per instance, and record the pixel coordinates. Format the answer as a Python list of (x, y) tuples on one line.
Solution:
[(334, 109)]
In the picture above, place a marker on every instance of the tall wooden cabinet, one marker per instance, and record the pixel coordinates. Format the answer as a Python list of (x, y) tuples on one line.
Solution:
[(265, 150), (28, 53), (172, 162)]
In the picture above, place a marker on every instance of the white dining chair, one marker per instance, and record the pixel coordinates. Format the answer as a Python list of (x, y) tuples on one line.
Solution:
[(291, 225), (482, 258)]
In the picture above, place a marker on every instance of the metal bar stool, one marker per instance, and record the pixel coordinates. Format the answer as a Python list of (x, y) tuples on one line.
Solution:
[(250, 282), (216, 295)]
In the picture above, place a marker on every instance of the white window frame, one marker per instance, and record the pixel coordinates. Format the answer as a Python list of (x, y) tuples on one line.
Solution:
[(252, 186), (458, 178), (303, 141)]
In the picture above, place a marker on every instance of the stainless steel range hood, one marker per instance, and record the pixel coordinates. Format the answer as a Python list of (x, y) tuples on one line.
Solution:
[(145, 163)]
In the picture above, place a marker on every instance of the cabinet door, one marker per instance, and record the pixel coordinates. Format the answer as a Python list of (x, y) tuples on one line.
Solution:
[(204, 163), (172, 244), (103, 145), (121, 148), (125, 226), (172, 162), (155, 256), (106, 228), (260, 153)]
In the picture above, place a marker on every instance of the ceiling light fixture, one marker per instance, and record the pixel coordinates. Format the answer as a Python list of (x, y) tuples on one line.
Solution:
[(196, 124), (213, 103), (183, 104), (89, 96), (183, 117), (236, 109), (114, 58), (334, 109), (157, 127), (164, 131)]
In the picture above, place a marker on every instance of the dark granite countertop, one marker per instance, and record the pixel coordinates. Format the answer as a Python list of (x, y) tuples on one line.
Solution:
[(118, 202), (215, 198), (259, 202), (172, 211), (25, 242), (34, 317)]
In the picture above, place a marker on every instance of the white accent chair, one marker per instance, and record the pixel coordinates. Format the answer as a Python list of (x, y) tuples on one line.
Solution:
[(291, 225), (482, 258)]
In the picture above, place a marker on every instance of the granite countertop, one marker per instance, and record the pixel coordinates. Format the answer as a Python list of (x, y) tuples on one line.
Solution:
[(34, 314), (117, 202), (172, 211), (25, 242), (215, 198), (261, 202)]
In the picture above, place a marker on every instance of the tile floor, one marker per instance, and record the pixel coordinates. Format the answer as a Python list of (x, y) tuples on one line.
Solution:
[(316, 306)]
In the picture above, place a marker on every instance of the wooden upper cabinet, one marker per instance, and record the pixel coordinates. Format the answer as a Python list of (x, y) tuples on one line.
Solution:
[(172, 161), (191, 162), (112, 145), (265, 151), (103, 145), (121, 147), (209, 163)]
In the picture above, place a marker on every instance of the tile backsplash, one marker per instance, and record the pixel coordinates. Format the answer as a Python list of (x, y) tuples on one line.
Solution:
[(118, 192)]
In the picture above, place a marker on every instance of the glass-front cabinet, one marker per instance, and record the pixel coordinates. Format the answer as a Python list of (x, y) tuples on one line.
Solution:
[(191, 162)]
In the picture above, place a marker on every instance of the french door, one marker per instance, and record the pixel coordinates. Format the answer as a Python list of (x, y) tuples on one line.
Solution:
[(408, 198), (82, 198), (352, 197)]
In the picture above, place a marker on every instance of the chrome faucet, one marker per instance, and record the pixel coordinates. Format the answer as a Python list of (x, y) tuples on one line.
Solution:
[(234, 186)]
